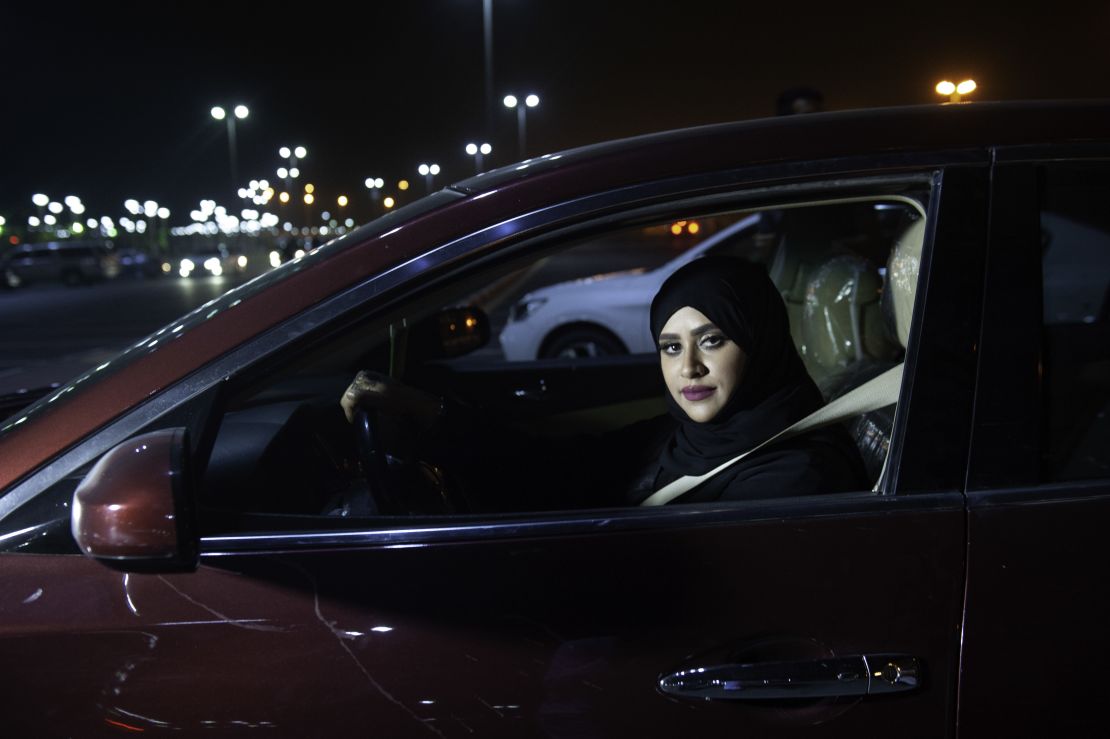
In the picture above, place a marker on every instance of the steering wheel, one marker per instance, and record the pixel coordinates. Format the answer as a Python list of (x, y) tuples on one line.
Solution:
[(426, 488), (375, 465)]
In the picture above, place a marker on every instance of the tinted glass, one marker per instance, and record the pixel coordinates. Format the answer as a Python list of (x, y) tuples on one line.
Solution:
[(1075, 238)]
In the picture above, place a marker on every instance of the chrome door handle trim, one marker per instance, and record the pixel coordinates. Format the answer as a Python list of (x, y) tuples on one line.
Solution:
[(855, 675)]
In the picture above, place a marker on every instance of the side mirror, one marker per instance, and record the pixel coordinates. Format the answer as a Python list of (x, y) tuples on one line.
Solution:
[(133, 510), (450, 333)]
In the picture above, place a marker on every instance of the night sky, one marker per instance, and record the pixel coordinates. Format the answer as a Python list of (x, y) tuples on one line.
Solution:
[(114, 104)]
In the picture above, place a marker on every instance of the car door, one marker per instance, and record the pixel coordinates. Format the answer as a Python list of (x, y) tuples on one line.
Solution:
[(572, 623), (1039, 481)]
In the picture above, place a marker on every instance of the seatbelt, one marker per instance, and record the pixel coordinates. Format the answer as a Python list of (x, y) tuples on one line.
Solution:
[(877, 392)]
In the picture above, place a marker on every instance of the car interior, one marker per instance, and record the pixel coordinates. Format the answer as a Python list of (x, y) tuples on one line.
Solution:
[(281, 445)]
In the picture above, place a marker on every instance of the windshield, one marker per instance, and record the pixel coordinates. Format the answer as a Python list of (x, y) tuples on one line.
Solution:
[(100, 354)]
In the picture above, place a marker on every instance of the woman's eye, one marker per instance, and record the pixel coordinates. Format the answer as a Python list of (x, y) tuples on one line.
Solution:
[(712, 341), (671, 348)]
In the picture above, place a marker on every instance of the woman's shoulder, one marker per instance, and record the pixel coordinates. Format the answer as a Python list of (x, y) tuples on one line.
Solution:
[(815, 463)]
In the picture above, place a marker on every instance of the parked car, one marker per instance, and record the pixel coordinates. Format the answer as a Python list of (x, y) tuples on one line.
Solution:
[(69, 262), (212, 261), (210, 468), (600, 314), (140, 263)]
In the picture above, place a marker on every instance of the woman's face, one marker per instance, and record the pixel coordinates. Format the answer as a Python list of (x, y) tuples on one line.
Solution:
[(701, 366)]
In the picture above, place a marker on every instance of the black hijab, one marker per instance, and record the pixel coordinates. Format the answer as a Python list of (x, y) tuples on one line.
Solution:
[(775, 390)]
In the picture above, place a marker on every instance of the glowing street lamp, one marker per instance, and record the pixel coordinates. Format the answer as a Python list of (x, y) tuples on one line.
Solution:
[(955, 92), (530, 101), (374, 185), (478, 151), (293, 155), (429, 171), (240, 112)]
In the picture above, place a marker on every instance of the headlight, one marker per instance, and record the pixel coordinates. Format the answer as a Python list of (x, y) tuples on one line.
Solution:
[(525, 308), (187, 265)]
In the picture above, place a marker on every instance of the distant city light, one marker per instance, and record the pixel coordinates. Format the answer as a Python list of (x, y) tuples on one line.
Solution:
[(282, 172), (300, 152), (294, 172), (40, 200), (342, 200), (388, 202), (403, 185), (163, 213), (55, 208), (284, 152), (309, 187), (91, 223), (34, 222), (49, 220), (284, 197), (308, 198)]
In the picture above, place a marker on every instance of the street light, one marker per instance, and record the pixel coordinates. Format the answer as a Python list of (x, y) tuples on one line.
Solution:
[(374, 185), (530, 101), (955, 92), (293, 155), (487, 35), (478, 151), (220, 114), (429, 171)]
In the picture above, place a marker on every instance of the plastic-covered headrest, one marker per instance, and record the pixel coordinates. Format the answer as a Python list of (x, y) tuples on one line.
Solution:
[(902, 270), (842, 319)]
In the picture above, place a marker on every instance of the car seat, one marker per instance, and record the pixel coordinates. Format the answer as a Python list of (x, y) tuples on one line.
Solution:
[(843, 324), (855, 327)]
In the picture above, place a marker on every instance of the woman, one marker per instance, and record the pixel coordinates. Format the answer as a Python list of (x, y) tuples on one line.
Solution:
[(734, 380)]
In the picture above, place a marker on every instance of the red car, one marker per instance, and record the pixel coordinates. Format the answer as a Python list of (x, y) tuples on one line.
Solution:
[(195, 542)]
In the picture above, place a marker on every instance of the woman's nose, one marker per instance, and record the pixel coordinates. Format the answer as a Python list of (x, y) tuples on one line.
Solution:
[(692, 366)]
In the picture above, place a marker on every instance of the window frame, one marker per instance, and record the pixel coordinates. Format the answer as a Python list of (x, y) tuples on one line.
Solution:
[(597, 210)]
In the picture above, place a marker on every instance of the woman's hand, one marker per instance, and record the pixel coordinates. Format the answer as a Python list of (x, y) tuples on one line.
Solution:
[(379, 392)]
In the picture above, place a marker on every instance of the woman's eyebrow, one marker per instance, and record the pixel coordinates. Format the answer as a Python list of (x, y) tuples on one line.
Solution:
[(696, 332)]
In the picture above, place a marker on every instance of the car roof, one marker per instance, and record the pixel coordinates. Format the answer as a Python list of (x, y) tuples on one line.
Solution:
[(840, 133)]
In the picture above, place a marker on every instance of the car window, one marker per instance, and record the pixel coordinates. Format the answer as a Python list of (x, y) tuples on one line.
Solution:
[(525, 401), (278, 443), (1075, 239)]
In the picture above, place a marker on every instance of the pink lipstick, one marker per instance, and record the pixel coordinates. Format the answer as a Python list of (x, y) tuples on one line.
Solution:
[(695, 393)]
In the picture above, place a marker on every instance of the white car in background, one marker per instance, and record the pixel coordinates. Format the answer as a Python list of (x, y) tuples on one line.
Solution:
[(599, 315)]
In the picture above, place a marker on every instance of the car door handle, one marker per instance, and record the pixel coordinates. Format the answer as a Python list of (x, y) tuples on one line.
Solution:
[(860, 674)]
